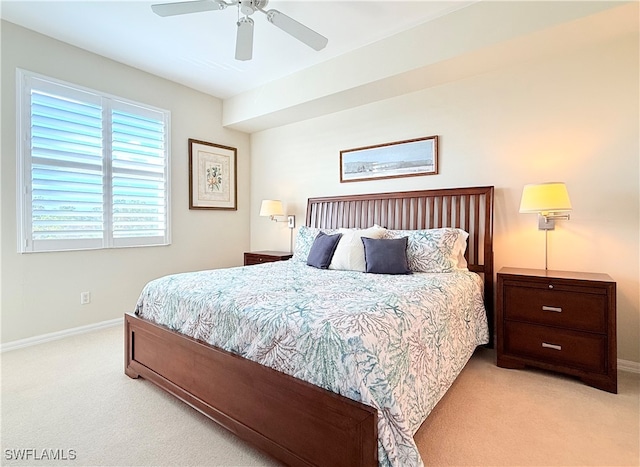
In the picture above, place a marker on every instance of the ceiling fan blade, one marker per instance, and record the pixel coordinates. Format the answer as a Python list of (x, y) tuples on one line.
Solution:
[(298, 30), (181, 8), (244, 39)]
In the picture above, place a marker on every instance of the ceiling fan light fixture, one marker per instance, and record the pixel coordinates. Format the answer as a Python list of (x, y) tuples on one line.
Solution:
[(247, 7)]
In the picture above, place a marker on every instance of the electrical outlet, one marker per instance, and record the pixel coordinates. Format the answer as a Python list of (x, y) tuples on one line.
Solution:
[(85, 298)]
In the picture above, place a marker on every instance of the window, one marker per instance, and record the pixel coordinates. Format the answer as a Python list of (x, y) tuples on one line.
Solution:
[(93, 169)]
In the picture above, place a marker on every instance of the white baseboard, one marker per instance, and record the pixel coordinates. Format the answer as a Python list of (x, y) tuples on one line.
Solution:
[(628, 365), (35, 340)]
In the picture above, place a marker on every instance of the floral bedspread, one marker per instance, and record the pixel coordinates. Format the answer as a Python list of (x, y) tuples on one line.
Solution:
[(395, 343)]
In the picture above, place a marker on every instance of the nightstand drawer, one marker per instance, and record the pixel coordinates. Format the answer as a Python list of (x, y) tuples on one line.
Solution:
[(583, 351), (561, 308), (250, 259), (260, 257)]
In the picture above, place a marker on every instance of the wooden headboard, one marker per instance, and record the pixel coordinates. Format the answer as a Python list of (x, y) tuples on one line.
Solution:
[(470, 209)]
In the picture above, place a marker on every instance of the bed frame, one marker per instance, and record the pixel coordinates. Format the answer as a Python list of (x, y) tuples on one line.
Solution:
[(294, 421)]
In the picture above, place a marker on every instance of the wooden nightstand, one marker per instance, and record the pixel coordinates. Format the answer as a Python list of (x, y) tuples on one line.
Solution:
[(560, 321), (259, 257)]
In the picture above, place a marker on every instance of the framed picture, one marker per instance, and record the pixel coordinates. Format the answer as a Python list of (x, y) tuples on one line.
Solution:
[(212, 176), (408, 158)]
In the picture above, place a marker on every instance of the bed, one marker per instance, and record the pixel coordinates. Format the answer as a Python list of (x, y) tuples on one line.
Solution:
[(297, 415)]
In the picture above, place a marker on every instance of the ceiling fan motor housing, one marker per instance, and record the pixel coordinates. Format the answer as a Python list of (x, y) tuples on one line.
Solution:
[(248, 7)]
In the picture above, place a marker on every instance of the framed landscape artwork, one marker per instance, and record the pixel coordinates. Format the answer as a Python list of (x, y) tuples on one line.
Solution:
[(391, 160), (212, 176)]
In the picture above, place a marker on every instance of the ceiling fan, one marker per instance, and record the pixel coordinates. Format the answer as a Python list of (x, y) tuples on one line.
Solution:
[(244, 37)]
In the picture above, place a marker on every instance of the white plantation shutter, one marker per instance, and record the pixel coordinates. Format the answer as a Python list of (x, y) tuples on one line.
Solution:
[(66, 201), (94, 169), (138, 179)]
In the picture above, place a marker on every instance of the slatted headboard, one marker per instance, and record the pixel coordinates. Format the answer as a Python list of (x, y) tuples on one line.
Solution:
[(470, 209)]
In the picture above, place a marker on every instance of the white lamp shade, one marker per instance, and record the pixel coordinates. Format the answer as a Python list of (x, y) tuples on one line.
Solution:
[(271, 207), (545, 198)]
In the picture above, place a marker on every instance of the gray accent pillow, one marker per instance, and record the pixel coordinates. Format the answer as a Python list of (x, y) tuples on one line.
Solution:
[(322, 250), (386, 256), (304, 240)]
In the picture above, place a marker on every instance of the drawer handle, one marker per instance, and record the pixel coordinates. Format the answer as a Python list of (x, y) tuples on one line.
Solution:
[(551, 308), (551, 346)]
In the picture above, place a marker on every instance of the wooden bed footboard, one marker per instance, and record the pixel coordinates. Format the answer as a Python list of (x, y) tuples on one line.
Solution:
[(292, 420)]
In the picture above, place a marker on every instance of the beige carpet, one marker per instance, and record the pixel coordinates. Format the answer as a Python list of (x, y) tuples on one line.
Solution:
[(71, 397)]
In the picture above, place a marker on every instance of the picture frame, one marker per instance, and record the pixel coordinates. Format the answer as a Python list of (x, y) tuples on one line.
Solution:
[(212, 176), (408, 158)]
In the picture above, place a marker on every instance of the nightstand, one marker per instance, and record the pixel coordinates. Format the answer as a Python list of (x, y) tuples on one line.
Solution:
[(560, 321), (259, 257)]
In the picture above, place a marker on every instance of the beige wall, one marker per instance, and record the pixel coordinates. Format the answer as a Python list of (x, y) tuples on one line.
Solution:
[(571, 118), (41, 292)]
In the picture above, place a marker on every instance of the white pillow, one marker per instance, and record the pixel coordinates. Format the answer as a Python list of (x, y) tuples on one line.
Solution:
[(349, 254)]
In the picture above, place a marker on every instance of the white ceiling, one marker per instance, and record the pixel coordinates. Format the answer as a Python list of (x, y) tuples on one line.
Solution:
[(198, 49), (377, 49)]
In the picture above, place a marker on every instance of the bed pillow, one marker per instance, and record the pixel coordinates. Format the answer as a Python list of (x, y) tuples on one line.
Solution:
[(304, 239), (386, 256), (322, 250), (434, 250), (349, 255)]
